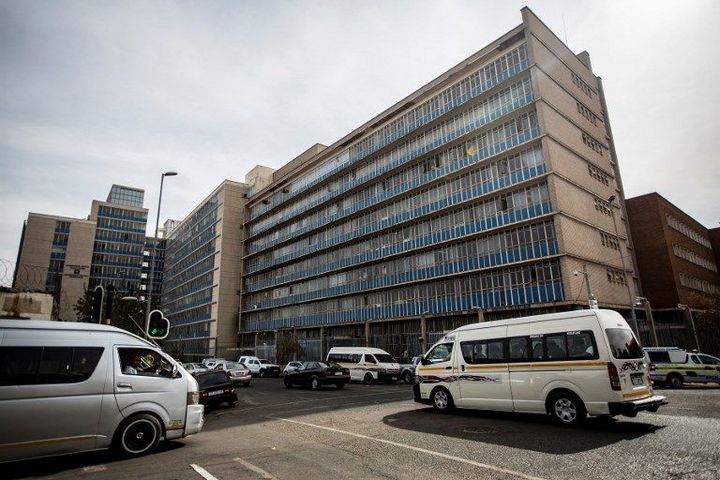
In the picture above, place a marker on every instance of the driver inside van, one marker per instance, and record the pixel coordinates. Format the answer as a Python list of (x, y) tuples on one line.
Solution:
[(134, 368)]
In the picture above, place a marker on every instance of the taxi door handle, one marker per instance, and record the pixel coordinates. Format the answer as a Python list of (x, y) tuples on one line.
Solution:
[(448, 368), (124, 385), (462, 367)]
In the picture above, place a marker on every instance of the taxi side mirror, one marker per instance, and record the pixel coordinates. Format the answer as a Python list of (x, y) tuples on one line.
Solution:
[(424, 361)]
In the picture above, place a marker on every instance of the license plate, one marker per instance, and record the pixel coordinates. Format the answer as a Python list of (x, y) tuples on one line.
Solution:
[(216, 392), (637, 379), (338, 373)]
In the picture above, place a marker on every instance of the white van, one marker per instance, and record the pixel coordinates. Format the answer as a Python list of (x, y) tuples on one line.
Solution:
[(566, 364), (70, 387), (366, 364)]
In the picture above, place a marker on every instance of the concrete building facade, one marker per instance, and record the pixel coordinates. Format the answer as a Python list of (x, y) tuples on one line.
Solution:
[(675, 256), (201, 283), (484, 190)]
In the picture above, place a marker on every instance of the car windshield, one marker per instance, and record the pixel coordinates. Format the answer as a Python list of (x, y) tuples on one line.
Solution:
[(623, 344), (385, 358), (210, 379), (265, 362)]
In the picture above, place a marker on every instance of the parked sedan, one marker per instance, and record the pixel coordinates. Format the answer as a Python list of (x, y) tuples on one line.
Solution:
[(239, 373), (194, 368), (317, 374), (215, 387)]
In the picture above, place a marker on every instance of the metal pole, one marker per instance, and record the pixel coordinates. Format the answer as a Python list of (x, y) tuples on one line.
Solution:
[(692, 324), (423, 332), (649, 315), (627, 281), (152, 257)]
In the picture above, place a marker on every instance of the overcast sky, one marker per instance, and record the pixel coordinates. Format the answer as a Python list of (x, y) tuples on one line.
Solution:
[(95, 93)]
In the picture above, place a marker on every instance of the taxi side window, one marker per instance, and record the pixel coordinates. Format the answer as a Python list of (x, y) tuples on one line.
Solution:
[(144, 362), (369, 358), (441, 353), (708, 360)]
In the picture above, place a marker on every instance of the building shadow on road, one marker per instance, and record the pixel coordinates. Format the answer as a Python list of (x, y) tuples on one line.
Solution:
[(525, 431), (90, 461)]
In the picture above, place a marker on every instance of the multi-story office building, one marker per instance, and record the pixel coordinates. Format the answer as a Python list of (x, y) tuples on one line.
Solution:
[(75, 255), (487, 189), (675, 257), (201, 283), (715, 241), (119, 239), (159, 269), (55, 256)]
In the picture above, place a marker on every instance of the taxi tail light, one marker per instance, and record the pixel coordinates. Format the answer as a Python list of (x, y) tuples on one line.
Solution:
[(193, 398), (229, 390), (614, 376)]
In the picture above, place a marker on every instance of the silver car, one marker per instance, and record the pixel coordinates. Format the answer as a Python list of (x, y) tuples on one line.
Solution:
[(239, 373)]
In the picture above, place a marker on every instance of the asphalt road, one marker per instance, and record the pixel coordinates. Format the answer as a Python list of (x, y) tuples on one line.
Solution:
[(377, 431)]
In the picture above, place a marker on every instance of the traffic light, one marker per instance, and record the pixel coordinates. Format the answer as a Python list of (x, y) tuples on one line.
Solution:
[(158, 326), (96, 303)]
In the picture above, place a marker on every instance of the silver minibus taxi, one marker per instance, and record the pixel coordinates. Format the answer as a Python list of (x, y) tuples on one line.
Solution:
[(568, 365), (69, 387)]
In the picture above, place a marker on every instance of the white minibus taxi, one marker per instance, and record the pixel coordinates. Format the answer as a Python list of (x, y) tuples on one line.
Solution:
[(70, 387), (366, 364), (568, 365)]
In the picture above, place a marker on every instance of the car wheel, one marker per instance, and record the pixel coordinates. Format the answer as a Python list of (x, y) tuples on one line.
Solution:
[(408, 377), (441, 400), (340, 386), (368, 378), (287, 383), (140, 434), (315, 383), (567, 408), (675, 381)]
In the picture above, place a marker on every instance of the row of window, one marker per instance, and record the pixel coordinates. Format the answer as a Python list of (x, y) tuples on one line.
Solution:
[(588, 114), (550, 347), (422, 197), (609, 241), (525, 243), (538, 283), (121, 225), (699, 284), (203, 281), (117, 249), (599, 175), (47, 365), (200, 297), (693, 257), (467, 88), (689, 232), (114, 212), (616, 276), (490, 109), (501, 209), (114, 272), (582, 85), (520, 166), (589, 141), (120, 237), (190, 315), (199, 260), (602, 206)]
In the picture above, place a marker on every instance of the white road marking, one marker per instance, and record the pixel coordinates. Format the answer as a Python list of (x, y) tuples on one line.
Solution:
[(202, 472), (255, 468), (418, 449), (95, 468)]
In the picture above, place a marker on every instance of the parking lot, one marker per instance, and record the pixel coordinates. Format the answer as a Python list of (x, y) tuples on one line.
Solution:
[(377, 431)]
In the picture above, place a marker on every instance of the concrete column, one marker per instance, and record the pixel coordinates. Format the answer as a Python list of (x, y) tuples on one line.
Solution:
[(423, 333), (322, 343), (367, 333)]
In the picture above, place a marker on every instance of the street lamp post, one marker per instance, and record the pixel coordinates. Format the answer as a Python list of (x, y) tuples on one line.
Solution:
[(148, 303), (692, 323), (611, 200), (648, 314), (592, 301)]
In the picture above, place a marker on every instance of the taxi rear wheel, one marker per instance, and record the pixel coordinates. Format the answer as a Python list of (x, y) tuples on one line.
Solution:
[(567, 408)]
